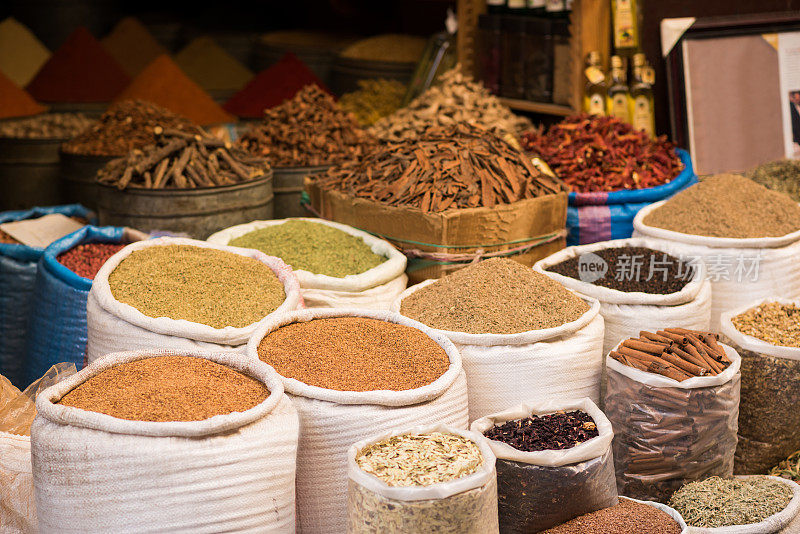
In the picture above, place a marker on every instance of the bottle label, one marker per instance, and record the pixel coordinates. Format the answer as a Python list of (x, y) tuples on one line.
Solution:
[(594, 104), (643, 115), (516, 4), (553, 6), (620, 107), (594, 75), (625, 35)]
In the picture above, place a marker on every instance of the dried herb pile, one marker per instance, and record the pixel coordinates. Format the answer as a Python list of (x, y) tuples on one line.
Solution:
[(788, 468), (203, 285), (773, 322), (47, 126), (627, 517), (354, 354), (781, 175), (124, 126), (421, 459), (593, 153), (374, 99), (722, 502), (446, 168), (727, 205), (557, 431), (183, 160), (310, 129), (632, 269), (456, 99), (167, 388), (497, 296), (313, 247)]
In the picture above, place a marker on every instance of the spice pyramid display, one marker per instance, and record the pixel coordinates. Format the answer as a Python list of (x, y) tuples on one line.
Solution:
[(29, 54), (211, 67), (162, 82), (132, 45), (310, 129), (79, 71), (15, 102), (272, 86)]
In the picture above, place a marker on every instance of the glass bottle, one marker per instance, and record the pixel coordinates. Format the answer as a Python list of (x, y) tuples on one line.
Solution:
[(516, 7), (555, 8), (495, 7), (595, 88), (642, 108), (536, 7), (618, 94), (625, 17)]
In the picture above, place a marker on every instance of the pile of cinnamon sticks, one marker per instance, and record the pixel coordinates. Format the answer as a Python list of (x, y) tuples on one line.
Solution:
[(676, 353)]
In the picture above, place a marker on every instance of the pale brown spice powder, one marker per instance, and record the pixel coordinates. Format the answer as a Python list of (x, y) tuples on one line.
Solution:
[(354, 354), (497, 296), (167, 388)]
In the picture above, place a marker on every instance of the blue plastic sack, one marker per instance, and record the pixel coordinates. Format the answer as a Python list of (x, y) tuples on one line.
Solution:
[(18, 266), (57, 327), (593, 217)]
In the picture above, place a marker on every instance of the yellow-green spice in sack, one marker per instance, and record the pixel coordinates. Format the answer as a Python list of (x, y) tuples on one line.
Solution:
[(203, 285), (313, 247)]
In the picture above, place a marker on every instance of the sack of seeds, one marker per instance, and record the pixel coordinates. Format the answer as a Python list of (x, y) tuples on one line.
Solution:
[(352, 373), (57, 326), (432, 479), (159, 440), (747, 236), (184, 294), (522, 336), (554, 462), (18, 265), (668, 432), (641, 283), (766, 334), (337, 265)]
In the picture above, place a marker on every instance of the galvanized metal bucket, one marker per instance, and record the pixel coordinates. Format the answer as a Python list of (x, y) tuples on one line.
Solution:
[(288, 187), (29, 173), (78, 177)]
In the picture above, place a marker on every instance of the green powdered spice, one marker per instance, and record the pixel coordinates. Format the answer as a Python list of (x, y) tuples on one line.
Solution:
[(202, 285), (781, 175), (722, 502), (313, 247)]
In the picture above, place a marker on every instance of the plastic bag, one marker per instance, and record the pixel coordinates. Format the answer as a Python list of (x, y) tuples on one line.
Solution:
[(467, 505), (539, 490), (770, 379), (668, 433)]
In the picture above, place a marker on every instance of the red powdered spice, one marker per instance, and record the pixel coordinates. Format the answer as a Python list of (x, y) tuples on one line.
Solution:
[(272, 87), (162, 82), (79, 71), (15, 102)]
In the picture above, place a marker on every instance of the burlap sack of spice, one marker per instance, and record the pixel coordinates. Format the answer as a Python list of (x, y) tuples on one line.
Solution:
[(17, 411), (739, 269), (466, 505), (506, 369), (333, 420), (769, 419), (114, 326), (542, 489), (95, 473), (374, 289), (668, 433), (627, 314)]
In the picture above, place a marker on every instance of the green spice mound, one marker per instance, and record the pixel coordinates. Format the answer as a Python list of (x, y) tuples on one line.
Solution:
[(202, 285), (727, 205), (313, 247), (723, 502), (781, 175), (421, 459), (496, 296), (775, 323)]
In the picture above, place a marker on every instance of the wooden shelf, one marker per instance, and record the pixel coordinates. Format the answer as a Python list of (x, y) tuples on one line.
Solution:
[(546, 108)]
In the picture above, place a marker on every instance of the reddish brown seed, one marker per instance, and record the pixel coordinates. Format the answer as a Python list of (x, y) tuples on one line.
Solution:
[(85, 260), (627, 517)]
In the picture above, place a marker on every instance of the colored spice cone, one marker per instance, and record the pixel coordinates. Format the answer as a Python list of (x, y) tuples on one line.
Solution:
[(15, 102), (79, 71), (164, 83), (132, 45), (272, 86), (212, 67), (29, 52)]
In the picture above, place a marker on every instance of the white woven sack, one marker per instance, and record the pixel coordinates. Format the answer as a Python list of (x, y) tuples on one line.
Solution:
[(774, 524), (94, 473), (627, 314), (730, 264), (331, 420), (374, 289), (664, 508), (114, 326), (564, 362), (17, 505)]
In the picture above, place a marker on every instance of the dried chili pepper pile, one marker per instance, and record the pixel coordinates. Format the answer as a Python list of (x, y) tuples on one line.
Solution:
[(459, 166), (86, 259), (592, 154)]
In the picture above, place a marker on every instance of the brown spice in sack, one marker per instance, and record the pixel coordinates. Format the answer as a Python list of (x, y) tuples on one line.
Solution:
[(167, 388)]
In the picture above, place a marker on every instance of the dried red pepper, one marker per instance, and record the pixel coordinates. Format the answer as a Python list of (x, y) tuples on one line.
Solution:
[(85, 260), (591, 154)]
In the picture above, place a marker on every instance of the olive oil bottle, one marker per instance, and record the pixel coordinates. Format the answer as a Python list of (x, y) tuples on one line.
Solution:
[(595, 88), (642, 108), (619, 97), (625, 17)]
